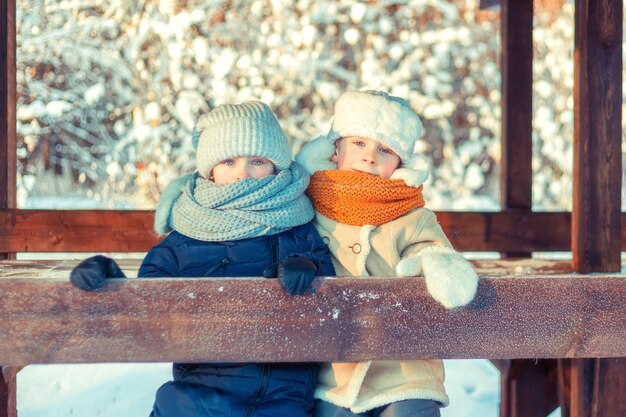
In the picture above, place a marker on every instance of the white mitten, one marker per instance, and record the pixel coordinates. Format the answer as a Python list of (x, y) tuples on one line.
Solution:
[(409, 267), (315, 155), (450, 278)]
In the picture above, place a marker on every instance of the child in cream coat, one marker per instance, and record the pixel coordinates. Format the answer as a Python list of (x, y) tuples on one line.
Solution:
[(366, 188)]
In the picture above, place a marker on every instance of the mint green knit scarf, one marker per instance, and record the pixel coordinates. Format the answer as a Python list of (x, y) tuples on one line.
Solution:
[(203, 210)]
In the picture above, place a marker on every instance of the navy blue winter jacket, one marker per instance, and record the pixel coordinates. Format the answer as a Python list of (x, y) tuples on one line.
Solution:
[(181, 256)]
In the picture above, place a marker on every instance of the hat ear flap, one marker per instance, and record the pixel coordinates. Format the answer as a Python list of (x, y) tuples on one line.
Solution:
[(195, 137), (414, 172), (316, 155)]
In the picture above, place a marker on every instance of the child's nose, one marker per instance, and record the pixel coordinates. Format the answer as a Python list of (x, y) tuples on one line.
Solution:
[(369, 157), (243, 172)]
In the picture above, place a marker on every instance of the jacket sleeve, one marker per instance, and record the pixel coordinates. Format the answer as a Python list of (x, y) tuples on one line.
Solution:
[(159, 262), (426, 237), (318, 252), (428, 234), (450, 279)]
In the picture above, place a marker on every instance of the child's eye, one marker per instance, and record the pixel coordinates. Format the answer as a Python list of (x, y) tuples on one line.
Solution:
[(358, 143), (228, 162), (257, 162), (382, 149)]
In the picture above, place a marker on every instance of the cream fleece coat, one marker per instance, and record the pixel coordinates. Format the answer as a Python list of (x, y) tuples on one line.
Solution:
[(401, 247)]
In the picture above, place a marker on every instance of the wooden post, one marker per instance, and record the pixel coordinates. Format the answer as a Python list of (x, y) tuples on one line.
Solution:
[(8, 154), (516, 26), (8, 391), (597, 385), (596, 214), (8, 159), (521, 378), (4, 396), (529, 388)]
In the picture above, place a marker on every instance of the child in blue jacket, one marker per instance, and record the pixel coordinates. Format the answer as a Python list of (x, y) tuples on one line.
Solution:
[(243, 213)]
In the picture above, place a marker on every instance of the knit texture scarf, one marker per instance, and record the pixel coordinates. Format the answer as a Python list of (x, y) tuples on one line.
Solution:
[(204, 210), (358, 199)]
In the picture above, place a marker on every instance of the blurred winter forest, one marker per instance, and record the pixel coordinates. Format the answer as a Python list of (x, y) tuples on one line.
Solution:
[(109, 90)]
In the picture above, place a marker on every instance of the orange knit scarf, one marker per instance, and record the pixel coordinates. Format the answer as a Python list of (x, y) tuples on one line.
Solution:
[(358, 199)]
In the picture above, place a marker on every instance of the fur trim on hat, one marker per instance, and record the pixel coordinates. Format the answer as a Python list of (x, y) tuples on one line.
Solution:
[(411, 177)]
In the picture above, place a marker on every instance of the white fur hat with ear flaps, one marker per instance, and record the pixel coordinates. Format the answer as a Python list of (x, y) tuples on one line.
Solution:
[(373, 115)]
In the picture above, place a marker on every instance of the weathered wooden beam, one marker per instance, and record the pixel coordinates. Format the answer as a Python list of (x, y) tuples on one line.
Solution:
[(529, 387), (4, 395), (348, 319), (524, 388), (516, 57), (596, 214), (131, 231), (60, 269), (516, 61), (597, 387), (8, 155), (76, 231), (8, 391)]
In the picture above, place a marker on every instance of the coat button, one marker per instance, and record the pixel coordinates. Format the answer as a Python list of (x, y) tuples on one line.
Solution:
[(356, 248), (326, 240)]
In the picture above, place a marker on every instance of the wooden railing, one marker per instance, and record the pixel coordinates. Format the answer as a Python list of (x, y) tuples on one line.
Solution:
[(523, 309), (44, 319), (131, 231)]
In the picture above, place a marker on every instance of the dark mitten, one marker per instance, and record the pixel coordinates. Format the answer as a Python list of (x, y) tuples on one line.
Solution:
[(296, 274), (271, 271), (89, 275)]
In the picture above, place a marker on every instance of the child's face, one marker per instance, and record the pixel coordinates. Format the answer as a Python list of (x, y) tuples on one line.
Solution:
[(359, 154), (235, 169)]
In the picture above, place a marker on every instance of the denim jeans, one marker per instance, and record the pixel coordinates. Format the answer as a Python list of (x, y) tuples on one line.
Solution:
[(407, 408)]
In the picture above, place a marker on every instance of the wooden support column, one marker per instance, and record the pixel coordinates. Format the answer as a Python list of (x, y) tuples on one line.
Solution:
[(4, 396), (521, 379), (8, 391), (596, 214), (529, 388), (516, 56), (8, 157), (8, 154), (597, 385)]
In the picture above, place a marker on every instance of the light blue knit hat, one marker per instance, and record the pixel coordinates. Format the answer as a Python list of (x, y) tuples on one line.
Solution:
[(234, 130)]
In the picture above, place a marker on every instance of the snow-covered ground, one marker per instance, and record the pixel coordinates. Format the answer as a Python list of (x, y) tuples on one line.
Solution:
[(113, 390)]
